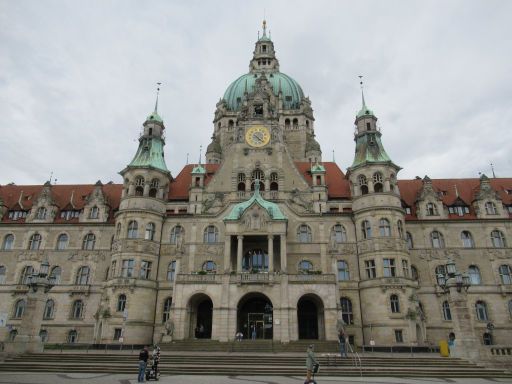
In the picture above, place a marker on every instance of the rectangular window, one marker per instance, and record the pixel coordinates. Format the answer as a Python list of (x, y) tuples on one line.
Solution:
[(389, 268), (371, 271), (408, 210), (399, 337), (118, 332), (145, 269), (127, 268), (405, 268)]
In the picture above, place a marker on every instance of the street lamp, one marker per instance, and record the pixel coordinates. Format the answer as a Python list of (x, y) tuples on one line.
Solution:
[(453, 278), (41, 279)]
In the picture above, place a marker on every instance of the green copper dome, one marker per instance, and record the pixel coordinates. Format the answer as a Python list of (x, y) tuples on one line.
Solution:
[(154, 116), (292, 92)]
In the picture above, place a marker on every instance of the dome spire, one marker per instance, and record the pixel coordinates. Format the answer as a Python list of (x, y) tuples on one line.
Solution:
[(365, 111), (157, 94), (264, 28)]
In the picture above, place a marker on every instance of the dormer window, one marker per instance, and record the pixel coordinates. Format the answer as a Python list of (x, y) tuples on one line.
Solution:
[(41, 213), (490, 208), (94, 213), (15, 215), (459, 210), (69, 214), (431, 209)]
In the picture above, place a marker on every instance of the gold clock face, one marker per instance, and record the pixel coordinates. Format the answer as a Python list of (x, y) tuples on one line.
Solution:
[(257, 136)]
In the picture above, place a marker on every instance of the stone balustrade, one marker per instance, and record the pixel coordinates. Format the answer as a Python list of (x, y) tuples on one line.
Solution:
[(210, 278), (312, 279)]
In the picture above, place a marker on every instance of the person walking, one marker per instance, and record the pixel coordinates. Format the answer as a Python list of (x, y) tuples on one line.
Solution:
[(253, 332), (143, 361), (311, 361), (342, 339)]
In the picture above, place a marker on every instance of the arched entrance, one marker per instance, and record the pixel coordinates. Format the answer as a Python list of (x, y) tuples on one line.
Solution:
[(255, 316), (310, 317), (200, 311)]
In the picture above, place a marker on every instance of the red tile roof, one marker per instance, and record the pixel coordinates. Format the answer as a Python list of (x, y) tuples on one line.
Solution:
[(338, 186), (180, 185)]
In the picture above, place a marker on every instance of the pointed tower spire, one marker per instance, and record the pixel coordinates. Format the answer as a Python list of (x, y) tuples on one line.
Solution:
[(264, 28), (157, 94), (200, 153), (363, 104)]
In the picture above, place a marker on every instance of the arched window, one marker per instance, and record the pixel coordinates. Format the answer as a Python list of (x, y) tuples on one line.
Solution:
[(346, 311), (498, 239), (82, 276), (287, 123), (366, 229), (2, 274), (139, 186), (414, 273), (77, 309), (8, 242), (431, 209), (394, 303), (505, 274), (408, 238), (55, 274), (304, 234), (49, 308), (177, 234), (305, 266), (467, 239), (487, 338), (19, 309), (447, 314), (171, 270), (62, 241), (41, 213), (377, 182), (121, 303), (384, 228), (338, 234), (133, 229), (35, 242), (363, 184), (400, 228), (153, 187), (437, 239), (211, 234), (295, 124), (343, 272), (150, 231), (94, 212), (481, 311), (72, 337), (166, 313), (274, 181), (241, 182), (89, 242), (26, 274), (209, 266), (490, 208), (43, 334), (474, 275), (12, 334)]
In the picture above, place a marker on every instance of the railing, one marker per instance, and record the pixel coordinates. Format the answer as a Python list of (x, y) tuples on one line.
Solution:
[(500, 350), (199, 278), (255, 278), (312, 278), (240, 194), (133, 348), (356, 359)]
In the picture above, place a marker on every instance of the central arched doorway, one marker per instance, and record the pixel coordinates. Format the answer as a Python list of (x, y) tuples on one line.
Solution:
[(255, 316), (310, 317), (200, 309)]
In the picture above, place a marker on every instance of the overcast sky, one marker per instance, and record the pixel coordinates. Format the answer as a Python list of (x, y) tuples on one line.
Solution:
[(77, 79)]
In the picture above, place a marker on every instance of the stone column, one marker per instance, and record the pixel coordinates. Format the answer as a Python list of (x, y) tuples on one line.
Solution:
[(239, 252), (283, 253), (467, 345), (227, 254), (270, 253)]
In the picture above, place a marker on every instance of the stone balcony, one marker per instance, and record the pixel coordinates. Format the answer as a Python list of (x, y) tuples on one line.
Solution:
[(312, 279), (254, 278), (194, 278)]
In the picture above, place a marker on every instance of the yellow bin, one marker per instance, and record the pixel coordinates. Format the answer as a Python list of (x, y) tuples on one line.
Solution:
[(444, 351)]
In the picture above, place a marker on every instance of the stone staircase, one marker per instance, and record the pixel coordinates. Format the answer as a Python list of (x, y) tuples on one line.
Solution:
[(250, 364)]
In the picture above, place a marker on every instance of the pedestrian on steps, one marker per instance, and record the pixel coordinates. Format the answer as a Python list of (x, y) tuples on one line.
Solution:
[(143, 361), (342, 339), (311, 361)]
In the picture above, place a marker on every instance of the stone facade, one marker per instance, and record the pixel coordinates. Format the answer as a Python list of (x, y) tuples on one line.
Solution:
[(263, 236)]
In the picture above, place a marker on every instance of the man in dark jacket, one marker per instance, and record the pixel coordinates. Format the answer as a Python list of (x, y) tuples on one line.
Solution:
[(143, 361)]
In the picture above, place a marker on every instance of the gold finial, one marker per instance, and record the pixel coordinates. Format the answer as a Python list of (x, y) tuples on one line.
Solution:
[(264, 27)]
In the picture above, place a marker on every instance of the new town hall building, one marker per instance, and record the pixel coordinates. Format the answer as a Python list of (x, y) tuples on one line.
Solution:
[(263, 236)]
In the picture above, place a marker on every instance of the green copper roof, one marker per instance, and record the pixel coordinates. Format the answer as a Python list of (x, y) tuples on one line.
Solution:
[(369, 149), (365, 111), (198, 169), (271, 208), (150, 154), (154, 116), (292, 92), (317, 168)]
